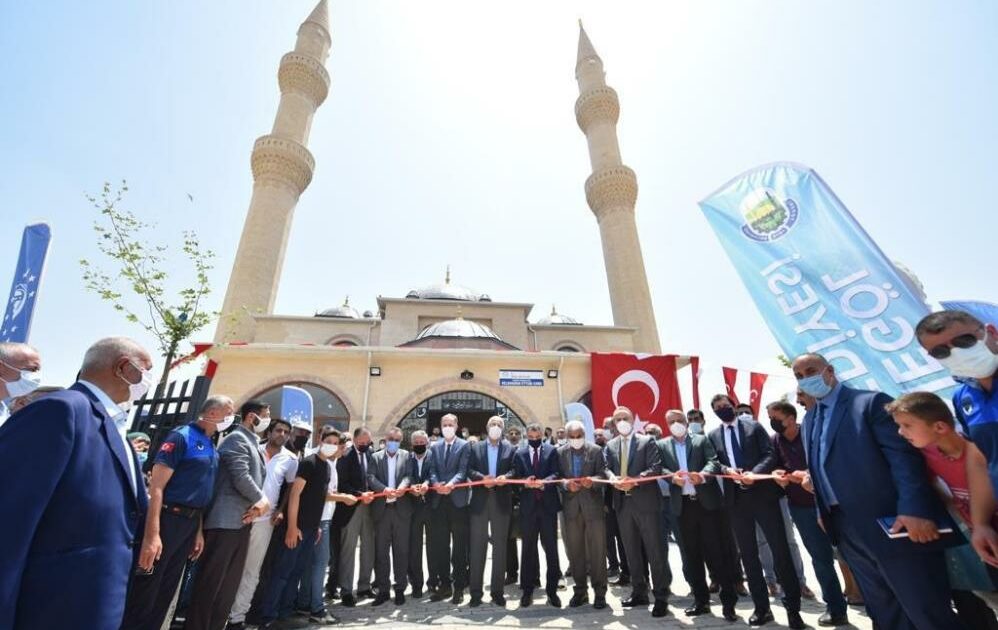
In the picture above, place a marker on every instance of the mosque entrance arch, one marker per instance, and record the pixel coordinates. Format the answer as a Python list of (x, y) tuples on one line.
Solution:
[(473, 410)]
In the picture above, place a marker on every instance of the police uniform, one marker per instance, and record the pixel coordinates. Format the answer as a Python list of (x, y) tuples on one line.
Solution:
[(977, 411), (189, 452)]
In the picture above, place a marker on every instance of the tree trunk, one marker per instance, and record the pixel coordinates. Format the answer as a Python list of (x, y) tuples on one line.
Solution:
[(165, 378)]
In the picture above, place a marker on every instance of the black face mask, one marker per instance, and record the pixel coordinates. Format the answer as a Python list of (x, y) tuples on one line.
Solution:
[(778, 426), (726, 414), (534, 443), (600, 441), (362, 448), (418, 449), (299, 443)]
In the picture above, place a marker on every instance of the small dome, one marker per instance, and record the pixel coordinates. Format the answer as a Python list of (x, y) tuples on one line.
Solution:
[(557, 319), (343, 312), (447, 291), (458, 328)]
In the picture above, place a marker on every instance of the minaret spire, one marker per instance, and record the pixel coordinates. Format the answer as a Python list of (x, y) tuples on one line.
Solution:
[(282, 169), (612, 191)]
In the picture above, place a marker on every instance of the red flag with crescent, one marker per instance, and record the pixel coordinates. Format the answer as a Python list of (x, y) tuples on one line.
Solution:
[(646, 384), (756, 382), (730, 376)]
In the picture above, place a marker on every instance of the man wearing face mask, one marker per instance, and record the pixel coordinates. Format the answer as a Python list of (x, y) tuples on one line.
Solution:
[(180, 488), (851, 439), (301, 433), (491, 461), (420, 472), (20, 375), (788, 447), (744, 449), (238, 500), (969, 350), (391, 515), (582, 505), (512, 552), (66, 541), (353, 470), (629, 456), (694, 419), (618, 570), (450, 513)]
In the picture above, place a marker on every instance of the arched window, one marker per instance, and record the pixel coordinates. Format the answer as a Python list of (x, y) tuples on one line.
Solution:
[(344, 341), (568, 346), (327, 408)]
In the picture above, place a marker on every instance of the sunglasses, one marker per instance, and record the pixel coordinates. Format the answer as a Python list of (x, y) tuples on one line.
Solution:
[(942, 351)]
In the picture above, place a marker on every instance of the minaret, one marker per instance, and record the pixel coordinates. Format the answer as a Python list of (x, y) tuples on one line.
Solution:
[(282, 169), (611, 191)]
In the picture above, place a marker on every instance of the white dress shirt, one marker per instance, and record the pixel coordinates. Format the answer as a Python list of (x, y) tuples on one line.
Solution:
[(334, 481), (280, 469), (120, 419), (688, 488)]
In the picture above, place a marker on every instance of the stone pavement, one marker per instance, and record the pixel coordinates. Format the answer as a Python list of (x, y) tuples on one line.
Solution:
[(445, 616)]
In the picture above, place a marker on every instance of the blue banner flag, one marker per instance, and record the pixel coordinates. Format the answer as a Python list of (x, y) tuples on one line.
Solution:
[(820, 282), (296, 406), (984, 311), (24, 290)]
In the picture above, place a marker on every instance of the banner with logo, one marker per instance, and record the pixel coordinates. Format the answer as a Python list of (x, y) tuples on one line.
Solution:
[(820, 282), (578, 411), (296, 406), (24, 289), (646, 384)]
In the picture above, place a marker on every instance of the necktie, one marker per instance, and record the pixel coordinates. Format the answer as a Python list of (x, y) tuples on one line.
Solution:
[(363, 467), (537, 471), (736, 449), (819, 427), (625, 450), (446, 454)]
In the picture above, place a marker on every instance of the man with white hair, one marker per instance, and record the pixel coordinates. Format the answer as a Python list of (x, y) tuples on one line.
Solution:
[(181, 487), (72, 507), (19, 374)]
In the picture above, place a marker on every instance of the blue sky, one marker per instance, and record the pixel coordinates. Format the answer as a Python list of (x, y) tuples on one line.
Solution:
[(449, 138)]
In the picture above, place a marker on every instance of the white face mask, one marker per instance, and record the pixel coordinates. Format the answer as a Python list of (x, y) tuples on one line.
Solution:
[(495, 432), (678, 430), (624, 427), (225, 423), (745, 416), (696, 427), (562, 441), (26, 383), (328, 450), (140, 389), (449, 432), (260, 424), (976, 361), (576, 443)]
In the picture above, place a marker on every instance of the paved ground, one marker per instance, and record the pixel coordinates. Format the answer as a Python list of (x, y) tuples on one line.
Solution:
[(445, 616)]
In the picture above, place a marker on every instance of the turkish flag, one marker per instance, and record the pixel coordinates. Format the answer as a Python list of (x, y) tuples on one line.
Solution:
[(645, 384), (756, 382), (730, 376)]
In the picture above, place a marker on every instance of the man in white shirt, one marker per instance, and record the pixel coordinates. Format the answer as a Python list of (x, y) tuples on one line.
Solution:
[(281, 467)]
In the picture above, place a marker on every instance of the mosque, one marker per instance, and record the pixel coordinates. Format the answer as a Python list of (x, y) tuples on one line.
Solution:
[(440, 348)]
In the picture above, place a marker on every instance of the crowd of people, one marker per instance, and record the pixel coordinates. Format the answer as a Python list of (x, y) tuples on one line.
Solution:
[(246, 518)]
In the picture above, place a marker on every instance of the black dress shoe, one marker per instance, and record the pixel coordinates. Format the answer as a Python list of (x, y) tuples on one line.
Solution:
[(760, 618), (441, 594), (660, 609), (728, 612), (399, 597), (613, 572), (741, 590), (714, 587), (527, 599), (622, 580), (417, 593), (554, 600), (380, 599), (828, 620), (365, 594), (696, 610), (458, 597), (511, 579), (236, 626), (599, 603), (476, 601), (578, 599), (348, 600), (499, 600), (634, 601), (794, 620)]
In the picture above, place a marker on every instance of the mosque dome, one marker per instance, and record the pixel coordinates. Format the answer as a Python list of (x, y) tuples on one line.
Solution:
[(458, 333), (557, 319), (340, 312), (447, 291)]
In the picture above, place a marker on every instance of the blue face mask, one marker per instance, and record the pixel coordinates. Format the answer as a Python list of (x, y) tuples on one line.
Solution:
[(142, 457), (392, 446), (814, 386)]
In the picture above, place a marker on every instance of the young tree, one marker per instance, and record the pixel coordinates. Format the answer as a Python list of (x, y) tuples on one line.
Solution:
[(137, 287)]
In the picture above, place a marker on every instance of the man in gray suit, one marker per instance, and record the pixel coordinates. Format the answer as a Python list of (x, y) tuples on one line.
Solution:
[(391, 515), (238, 499), (491, 507), (450, 513), (695, 504), (582, 504), (638, 513)]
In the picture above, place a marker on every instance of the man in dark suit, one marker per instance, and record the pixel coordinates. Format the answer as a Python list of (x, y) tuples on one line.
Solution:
[(744, 449), (630, 456), (420, 473), (450, 512), (74, 498), (695, 503), (356, 525), (391, 516), (582, 504), (491, 505), (862, 470), (539, 505)]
